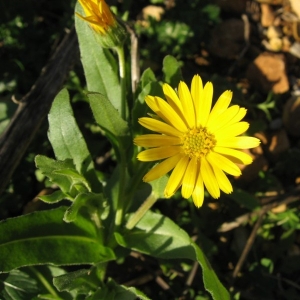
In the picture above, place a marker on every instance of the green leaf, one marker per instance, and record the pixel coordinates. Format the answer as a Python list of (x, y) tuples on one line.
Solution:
[(211, 282), (158, 186), (100, 66), (106, 116), (64, 174), (212, 11), (67, 140), (48, 166), (75, 177), (159, 236), (109, 119), (82, 281), (152, 88), (43, 238), (147, 77), (114, 291), (94, 202), (172, 71), (54, 197), (18, 286), (111, 192)]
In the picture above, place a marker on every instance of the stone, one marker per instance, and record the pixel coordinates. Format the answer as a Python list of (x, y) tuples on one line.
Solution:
[(279, 143), (152, 11), (268, 73), (267, 15), (295, 4)]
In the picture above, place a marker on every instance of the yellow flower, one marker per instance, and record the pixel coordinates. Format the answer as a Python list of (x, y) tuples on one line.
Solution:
[(103, 21), (199, 143)]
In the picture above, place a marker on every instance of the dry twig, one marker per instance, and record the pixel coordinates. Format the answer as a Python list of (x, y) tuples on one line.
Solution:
[(34, 107), (282, 199), (286, 198)]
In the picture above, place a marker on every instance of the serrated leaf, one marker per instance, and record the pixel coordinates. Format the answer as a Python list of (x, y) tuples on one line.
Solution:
[(67, 140), (172, 71), (43, 238), (100, 66)]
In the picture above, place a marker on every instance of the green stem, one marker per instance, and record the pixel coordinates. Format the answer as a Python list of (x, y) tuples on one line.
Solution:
[(45, 282), (141, 211), (122, 182), (122, 73), (121, 196)]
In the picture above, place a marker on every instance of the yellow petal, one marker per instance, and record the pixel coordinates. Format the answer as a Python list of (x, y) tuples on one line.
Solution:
[(209, 179), (189, 179), (198, 194), (158, 153), (187, 104), (222, 180), (239, 116), (89, 7), (172, 98), (240, 157), (220, 106), (231, 130), (239, 142), (224, 118), (205, 105), (156, 140), (159, 126), (166, 112), (98, 14), (162, 168), (197, 94), (176, 177), (224, 163), (150, 101)]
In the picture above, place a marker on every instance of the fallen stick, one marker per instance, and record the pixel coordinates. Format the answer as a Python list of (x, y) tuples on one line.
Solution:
[(33, 108)]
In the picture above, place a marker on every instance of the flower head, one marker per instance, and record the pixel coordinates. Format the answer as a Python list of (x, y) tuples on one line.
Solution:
[(199, 143), (103, 22)]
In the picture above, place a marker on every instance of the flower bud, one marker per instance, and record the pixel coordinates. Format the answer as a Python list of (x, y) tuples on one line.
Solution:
[(109, 31)]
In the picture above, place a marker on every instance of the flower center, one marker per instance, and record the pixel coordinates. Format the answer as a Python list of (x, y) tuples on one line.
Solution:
[(197, 142)]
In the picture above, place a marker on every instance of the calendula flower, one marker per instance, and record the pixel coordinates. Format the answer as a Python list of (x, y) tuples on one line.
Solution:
[(199, 143), (111, 33)]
